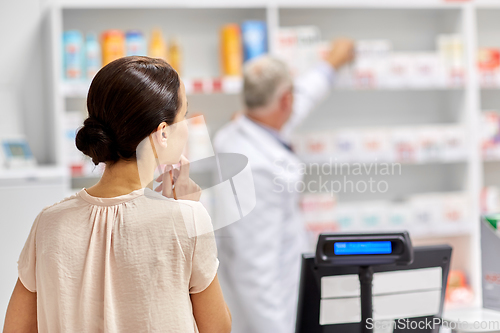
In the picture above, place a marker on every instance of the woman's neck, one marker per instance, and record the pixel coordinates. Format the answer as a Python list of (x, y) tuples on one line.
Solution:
[(122, 178)]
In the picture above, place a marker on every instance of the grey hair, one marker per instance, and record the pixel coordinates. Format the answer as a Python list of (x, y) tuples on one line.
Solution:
[(263, 78)]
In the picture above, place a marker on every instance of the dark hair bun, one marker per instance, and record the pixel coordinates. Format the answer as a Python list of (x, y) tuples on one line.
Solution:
[(94, 141)]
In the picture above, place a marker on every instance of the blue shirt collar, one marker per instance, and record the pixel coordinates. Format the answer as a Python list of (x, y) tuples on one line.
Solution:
[(274, 133)]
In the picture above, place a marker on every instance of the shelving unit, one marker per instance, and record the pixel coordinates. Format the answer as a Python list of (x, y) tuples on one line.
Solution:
[(410, 25), (488, 35), (223, 85), (487, 16), (411, 28)]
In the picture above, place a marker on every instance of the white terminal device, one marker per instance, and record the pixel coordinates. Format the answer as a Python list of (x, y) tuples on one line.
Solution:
[(16, 153)]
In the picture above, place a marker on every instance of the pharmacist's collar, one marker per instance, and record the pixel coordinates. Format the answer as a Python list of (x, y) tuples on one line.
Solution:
[(274, 133)]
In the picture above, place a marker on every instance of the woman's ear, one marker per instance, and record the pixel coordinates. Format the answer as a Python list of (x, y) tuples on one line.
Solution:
[(162, 134)]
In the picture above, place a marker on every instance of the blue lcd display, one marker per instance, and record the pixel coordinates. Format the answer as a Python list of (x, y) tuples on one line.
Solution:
[(373, 247)]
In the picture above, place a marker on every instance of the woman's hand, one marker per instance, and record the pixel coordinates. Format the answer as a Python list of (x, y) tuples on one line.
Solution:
[(175, 183)]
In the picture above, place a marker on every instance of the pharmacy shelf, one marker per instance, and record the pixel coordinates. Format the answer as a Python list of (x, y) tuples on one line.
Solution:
[(77, 89), (34, 173), (35, 177), (451, 229), (408, 29), (491, 159), (411, 26), (86, 177), (424, 215), (489, 82), (457, 230), (363, 4), (159, 4), (233, 85), (327, 159), (488, 25), (224, 85), (401, 88), (196, 29), (487, 4), (411, 4)]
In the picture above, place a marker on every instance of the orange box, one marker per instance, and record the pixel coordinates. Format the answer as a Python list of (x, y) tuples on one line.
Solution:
[(231, 50), (113, 46)]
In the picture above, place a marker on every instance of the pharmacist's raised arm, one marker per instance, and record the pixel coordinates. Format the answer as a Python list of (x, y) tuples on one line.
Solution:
[(312, 87)]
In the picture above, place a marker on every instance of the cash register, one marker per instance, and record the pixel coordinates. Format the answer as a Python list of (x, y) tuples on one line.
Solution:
[(359, 283)]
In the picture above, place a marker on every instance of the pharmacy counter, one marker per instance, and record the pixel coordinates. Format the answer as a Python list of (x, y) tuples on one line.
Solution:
[(23, 194), (472, 320)]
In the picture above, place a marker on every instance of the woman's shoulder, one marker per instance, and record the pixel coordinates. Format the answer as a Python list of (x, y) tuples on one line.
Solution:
[(189, 204), (62, 205), (60, 210), (192, 213)]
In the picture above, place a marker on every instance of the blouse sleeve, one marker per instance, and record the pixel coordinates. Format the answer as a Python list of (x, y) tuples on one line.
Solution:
[(26, 265), (204, 261)]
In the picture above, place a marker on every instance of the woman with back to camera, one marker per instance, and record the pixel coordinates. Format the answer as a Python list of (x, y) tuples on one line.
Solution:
[(119, 257)]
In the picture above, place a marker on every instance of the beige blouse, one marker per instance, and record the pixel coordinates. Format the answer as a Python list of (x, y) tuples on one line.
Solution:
[(122, 264)]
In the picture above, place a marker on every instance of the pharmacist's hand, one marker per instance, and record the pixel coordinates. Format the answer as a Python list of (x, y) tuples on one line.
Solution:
[(178, 181), (341, 52)]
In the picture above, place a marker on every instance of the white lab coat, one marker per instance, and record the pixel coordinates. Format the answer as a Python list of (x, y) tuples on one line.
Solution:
[(260, 254)]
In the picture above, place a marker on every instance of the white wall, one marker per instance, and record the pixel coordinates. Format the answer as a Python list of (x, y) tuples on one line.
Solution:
[(22, 96), (22, 109)]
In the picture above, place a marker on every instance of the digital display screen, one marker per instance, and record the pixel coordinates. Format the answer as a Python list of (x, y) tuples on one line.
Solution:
[(17, 150), (371, 247)]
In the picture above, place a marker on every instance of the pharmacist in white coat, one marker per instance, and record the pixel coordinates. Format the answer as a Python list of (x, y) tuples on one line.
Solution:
[(260, 254)]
